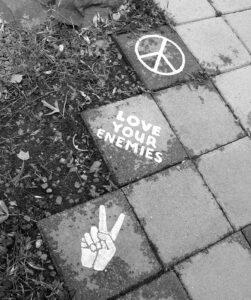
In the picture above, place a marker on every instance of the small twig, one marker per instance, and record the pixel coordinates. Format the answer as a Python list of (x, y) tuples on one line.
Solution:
[(66, 97)]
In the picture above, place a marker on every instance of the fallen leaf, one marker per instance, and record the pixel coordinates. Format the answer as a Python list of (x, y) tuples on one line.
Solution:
[(95, 167), (59, 200), (16, 78), (55, 109), (116, 16), (61, 48), (27, 218), (4, 213), (23, 155)]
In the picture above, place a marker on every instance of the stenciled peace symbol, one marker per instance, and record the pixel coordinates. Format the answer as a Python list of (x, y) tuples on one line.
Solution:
[(159, 55)]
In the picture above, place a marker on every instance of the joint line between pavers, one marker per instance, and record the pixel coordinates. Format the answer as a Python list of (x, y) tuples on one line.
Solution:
[(152, 246), (200, 250), (230, 109), (134, 287), (215, 198), (193, 21), (183, 284), (244, 236), (237, 35)]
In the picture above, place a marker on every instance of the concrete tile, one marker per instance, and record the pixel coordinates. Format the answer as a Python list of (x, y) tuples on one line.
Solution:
[(236, 89), (133, 260), (166, 287), (227, 171), (27, 13), (221, 273), (199, 117), (228, 6), (177, 211), (184, 11), (126, 162), (240, 23), (247, 233), (214, 44), (176, 70)]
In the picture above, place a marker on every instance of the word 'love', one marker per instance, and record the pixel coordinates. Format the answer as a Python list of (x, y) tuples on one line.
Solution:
[(132, 134)]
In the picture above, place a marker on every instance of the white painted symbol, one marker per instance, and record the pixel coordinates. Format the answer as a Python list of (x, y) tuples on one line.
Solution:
[(98, 246), (160, 55)]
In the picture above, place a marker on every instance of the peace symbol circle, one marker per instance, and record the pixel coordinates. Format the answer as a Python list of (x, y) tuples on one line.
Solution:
[(159, 57)]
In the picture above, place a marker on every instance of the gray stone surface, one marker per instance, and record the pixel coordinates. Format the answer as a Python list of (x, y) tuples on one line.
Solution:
[(184, 11), (199, 117), (128, 165), (152, 80), (247, 232), (167, 287), (133, 261), (214, 44), (240, 23), (221, 273), (227, 6), (236, 89), (27, 13), (178, 213), (227, 171)]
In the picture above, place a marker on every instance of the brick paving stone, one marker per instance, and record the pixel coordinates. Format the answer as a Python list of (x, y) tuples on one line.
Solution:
[(240, 23), (167, 287), (247, 233), (153, 80), (221, 273), (228, 6), (227, 171), (132, 262), (184, 11), (199, 117), (177, 211), (236, 89), (128, 165), (214, 44)]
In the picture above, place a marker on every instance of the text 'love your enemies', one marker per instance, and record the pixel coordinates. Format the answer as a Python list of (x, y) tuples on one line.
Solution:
[(132, 134)]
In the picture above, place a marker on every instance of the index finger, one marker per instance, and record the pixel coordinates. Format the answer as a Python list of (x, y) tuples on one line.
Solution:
[(102, 219), (117, 226)]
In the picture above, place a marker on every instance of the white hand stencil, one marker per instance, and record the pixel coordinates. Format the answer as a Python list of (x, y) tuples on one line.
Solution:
[(98, 246)]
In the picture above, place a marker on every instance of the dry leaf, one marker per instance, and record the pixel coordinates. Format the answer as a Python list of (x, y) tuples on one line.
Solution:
[(95, 167), (23, 155), (4, 213), (55, 109), (16, 78)]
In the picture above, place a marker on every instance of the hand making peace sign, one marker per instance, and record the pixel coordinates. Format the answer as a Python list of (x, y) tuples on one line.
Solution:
[(98, 246)]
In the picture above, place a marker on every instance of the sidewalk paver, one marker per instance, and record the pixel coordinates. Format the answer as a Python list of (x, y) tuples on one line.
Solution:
[(235, 87), (199, 117), (133, 260), (167, 287), (214, 44), (184, 11), (223, 272), (227, 172), (28, 13), (240, 23), (178, 213), (144, 142), (153, 80), (228, 6)]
